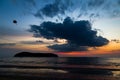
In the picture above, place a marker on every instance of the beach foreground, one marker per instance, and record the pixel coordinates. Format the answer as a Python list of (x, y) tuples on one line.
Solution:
[(58, 77), (60, 69)]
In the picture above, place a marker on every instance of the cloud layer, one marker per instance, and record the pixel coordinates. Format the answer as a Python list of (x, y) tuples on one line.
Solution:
[(79, 34), (7, 44), (51, 10), (89, 8)]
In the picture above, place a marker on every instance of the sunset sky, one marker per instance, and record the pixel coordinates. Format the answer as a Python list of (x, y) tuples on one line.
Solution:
[(69, 28)]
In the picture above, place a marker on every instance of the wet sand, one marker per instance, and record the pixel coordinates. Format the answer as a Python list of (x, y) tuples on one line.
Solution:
[(83, 72), (56, 77), (60, 69)]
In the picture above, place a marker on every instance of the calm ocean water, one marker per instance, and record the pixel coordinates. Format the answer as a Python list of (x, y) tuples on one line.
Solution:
[(60, 61), (79, 65)]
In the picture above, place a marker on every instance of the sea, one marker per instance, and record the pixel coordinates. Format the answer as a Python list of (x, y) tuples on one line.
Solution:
[(62, 68)]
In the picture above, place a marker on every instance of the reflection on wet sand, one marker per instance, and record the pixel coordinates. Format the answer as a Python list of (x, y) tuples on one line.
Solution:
[(60, 69)]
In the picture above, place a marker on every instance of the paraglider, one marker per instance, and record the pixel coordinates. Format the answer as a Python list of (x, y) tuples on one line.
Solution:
[(14, 21)]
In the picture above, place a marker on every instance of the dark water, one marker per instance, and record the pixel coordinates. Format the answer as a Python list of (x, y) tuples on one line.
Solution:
[(85, 66)]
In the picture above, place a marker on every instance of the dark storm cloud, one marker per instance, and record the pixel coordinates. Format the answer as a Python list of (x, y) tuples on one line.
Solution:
[(89, 8), (68, 47), (78, 34), (7, 44), (53, 9)]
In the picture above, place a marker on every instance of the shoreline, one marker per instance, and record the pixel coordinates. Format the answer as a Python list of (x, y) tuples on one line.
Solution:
[(79, 72), (55, 77), (114, 68)]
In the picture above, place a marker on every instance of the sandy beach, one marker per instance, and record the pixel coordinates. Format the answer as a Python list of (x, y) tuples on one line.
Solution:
[(58, 73), (60, 69), (55, 77)]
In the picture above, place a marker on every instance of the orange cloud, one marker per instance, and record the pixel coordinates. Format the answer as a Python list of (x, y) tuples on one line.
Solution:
[(110, 49)]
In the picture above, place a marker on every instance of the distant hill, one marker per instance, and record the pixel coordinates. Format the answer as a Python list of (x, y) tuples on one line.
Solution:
[(28, 54)]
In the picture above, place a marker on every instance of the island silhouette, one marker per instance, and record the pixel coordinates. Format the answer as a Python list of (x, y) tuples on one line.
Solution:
[(29, 54)]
